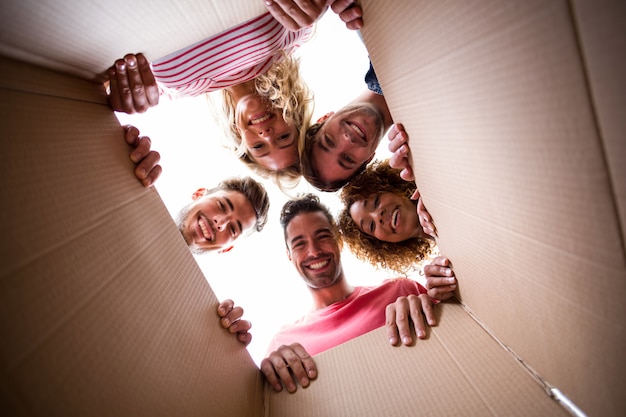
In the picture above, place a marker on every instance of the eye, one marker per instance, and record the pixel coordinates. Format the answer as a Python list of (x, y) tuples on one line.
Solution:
[(372, 227), (348, 159), (257, 146), (221, 206), (284, 137), (233, 232), (329, 142), (376, 201)]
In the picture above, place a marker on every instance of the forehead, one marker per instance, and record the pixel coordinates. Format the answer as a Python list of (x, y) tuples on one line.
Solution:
[(307, 223), (359, 208)]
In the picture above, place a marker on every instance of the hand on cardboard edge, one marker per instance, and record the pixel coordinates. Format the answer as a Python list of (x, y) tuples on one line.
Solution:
[(399, 146), (231, 320), (133, 88), (287, 366), (425, 219), (298, 15), (147, 168), (349, 12), (440, 279), (406, 309)]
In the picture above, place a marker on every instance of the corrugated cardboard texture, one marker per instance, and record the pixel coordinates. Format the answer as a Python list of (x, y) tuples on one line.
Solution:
[(512, 166), (602, 36), (85, 38), (515, 130), (104, 310), (457, 371)]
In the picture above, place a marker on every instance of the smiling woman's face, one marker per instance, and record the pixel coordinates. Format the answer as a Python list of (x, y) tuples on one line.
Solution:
[(386, 216), (267, 138)]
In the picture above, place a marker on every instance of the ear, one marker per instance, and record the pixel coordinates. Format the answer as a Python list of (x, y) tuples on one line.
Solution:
[(288, 252), (325, 117), (228, 249), (200, 192)]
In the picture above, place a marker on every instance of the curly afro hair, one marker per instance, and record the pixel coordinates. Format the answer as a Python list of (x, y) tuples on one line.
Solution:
[(401, 257)]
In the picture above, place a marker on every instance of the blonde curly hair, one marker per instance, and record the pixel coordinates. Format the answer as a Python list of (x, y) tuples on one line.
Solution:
[(287, 91), (400, 257)]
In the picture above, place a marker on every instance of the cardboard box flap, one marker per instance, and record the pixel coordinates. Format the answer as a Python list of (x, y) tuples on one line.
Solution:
[(509, 162), (104, 310), (85, 38), (458, 370), (602, 37)]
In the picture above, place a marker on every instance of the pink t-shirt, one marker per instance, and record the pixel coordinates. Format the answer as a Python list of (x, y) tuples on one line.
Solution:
[(361, 312), (232, 57)]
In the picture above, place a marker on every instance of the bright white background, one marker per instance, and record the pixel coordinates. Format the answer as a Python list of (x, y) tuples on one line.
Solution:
[(257, 274)]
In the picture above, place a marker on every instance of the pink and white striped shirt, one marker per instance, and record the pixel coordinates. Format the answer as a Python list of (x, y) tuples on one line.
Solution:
[(234, 56)]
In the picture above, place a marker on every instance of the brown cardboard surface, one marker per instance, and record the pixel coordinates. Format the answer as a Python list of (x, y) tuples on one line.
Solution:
[(511, 165), (458, 370), (601, 32), (85, 38), (103, 309), (515, 130)]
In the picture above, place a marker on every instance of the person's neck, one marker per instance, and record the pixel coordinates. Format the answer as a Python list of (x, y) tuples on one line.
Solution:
[(323, 297), (241, 90)]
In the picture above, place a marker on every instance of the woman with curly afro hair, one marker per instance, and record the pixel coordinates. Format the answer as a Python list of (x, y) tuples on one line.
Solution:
[(380, 222)]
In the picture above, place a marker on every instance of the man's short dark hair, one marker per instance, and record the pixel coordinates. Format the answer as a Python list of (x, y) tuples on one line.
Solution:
[(307, 203), (254, 192)]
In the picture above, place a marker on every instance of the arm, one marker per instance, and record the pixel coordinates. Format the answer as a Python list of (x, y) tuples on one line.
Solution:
[(287, 366), (295, 15), (147, 168), (440, 279), (132, 84), (230, 319), (407, 309)]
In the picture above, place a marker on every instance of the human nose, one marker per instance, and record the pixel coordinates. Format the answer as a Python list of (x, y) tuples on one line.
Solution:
[(221, 222), (266, 133), (378, 215), (314, 249)]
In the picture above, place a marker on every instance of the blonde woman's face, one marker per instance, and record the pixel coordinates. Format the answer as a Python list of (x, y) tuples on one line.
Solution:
[(386, 216), (267, 138)]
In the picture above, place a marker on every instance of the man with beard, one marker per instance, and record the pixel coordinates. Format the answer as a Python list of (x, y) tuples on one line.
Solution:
[(340, 311)]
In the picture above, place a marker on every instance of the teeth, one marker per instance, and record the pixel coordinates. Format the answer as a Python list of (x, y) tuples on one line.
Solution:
[(318, 265), (357, 130), (204, 228), (260, 119), (394, 218)]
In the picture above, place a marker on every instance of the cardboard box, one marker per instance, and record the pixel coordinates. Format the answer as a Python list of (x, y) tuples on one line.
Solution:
[(515, 111)]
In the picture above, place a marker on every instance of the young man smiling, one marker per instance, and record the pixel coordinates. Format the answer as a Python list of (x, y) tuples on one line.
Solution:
[(342, 143), (216, 217), (340, 311)]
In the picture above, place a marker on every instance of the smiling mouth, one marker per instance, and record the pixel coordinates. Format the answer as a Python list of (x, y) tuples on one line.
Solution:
[(356, 129), (394, 219), (206, 230), (260, 120), (318, 265)]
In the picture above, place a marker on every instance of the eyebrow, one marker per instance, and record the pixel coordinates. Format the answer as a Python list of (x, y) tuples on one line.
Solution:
[(230, 203), (232, 208), (362, 226), (339, 161), (295, 239)]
